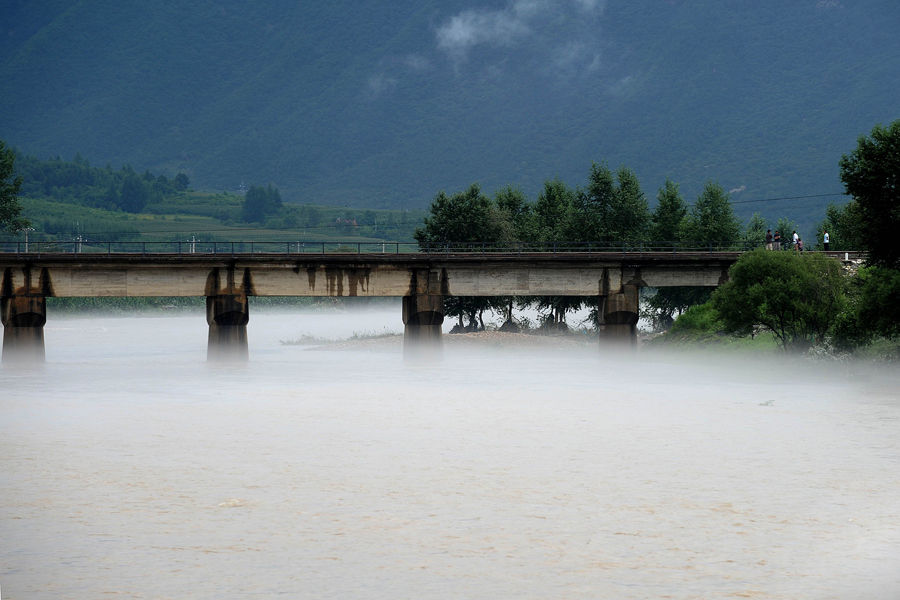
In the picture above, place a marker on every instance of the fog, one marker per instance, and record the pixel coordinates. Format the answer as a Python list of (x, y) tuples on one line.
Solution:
[(132, 468)]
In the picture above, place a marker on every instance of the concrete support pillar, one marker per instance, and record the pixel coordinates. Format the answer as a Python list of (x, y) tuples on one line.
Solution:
[(620, 315), (423, 314), (23, 320), (227, 315)]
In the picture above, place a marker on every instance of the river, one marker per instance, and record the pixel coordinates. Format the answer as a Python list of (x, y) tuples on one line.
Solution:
[(131, 468)]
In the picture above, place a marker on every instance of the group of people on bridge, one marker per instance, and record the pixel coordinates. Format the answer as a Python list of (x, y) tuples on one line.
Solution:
[(773, 242)]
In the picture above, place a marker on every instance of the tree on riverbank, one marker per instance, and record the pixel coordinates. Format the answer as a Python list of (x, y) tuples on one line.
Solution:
[(797, 298), (871, 174)]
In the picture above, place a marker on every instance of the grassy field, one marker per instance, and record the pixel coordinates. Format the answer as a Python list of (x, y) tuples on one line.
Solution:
[(206, 217)]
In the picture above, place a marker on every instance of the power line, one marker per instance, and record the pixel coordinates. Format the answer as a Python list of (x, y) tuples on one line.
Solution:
[(787, 198)]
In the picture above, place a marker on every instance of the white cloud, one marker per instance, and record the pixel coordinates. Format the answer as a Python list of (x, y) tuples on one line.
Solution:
[(521, 21), (475, 27)]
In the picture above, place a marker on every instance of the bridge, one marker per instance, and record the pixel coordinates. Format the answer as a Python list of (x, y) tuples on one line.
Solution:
[(422, 280)]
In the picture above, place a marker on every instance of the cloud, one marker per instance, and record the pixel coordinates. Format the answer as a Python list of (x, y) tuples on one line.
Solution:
[(391, 71), (416, 62), (575, 56), (476, 27), (380, 84), (521, 22)]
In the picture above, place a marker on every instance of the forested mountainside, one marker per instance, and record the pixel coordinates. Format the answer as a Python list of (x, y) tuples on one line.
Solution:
[(385, 104)]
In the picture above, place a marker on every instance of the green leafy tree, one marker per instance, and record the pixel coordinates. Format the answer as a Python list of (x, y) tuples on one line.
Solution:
[(755, 232), (259, 203), (874, 307), (844, 227), (667, 224), (871, 174), (785, 227), (464, 217), (711, 221), (594, 204), (467, 217), (628, 217), (553, 213), (513, 209), (666, 219), (612, 208), (10, 210), (134, 194), (796, 297)]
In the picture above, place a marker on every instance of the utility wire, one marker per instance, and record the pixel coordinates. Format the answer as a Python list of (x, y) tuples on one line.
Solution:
[(787, 198)]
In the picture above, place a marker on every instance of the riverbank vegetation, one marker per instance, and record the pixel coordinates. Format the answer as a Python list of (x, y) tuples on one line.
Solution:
[(805, 302)]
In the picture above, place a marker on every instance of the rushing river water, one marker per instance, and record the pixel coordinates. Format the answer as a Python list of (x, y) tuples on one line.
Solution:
[(131, 468)]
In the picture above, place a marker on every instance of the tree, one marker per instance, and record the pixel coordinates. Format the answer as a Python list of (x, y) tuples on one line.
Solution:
[(628, 217), (134, 194), (874, 307), (260, 202), (553, 213), (711, 221), (786, 227), (667, 225), (670, 212), (181, 182), (514, 209), (844, 227), (797, 297), (755, 232), (10, 210), (610, 209), (466, 216), (593, 206), (871, 174)]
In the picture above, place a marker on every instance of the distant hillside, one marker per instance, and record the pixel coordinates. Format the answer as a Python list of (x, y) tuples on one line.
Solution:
[(384, 104)]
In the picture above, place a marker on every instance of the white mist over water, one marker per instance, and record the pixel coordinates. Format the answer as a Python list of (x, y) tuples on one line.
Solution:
[(132, 468)]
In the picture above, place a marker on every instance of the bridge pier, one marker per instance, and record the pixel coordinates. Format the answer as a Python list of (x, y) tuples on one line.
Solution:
[(423, 314), (23, 320), (227, 315), (620, 315)]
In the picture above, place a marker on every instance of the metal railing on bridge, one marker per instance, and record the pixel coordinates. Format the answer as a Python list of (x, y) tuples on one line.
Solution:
[(294, 248)]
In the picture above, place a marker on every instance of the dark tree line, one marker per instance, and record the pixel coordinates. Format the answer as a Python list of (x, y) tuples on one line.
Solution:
[(77, 182), (610, 210), (260, 202)]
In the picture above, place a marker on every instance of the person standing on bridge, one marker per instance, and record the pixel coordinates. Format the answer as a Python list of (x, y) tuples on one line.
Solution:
[(768, 239), (776, 241), (796, 237), (825, 240)]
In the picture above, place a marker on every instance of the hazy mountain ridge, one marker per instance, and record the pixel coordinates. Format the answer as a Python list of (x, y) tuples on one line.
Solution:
[(385, 105)]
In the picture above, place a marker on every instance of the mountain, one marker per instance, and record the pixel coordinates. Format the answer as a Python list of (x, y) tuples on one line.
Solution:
[(379, 104)]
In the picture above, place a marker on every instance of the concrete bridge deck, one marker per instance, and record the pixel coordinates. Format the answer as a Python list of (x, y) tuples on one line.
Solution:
[(491, 274)]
